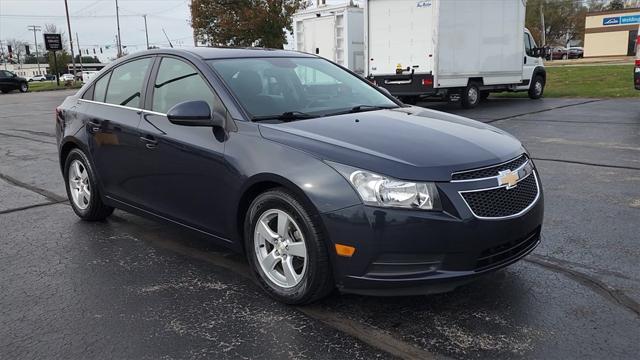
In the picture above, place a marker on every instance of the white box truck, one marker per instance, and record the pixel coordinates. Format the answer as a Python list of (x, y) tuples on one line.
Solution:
[(334, 32), (455, 49)]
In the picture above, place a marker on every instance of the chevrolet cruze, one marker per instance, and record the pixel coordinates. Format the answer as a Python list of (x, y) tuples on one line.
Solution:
[(323, 180)]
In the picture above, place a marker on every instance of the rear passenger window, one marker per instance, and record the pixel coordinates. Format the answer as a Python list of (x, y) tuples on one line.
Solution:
[(178, 81), (100, 88), (125, 87)]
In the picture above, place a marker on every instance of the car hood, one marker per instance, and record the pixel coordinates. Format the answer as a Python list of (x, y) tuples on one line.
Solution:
[(409, 143)]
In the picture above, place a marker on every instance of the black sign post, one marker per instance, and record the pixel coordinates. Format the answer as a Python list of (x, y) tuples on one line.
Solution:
[(53, 43)]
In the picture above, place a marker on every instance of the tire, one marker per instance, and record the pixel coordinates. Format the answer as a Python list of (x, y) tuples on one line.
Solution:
[(24, 87), (536, 90), (89, 207), (484, 95), (409, 100), (313, 279), (470, 97)]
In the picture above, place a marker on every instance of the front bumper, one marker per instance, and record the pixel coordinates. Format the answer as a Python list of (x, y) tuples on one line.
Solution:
[(408, 252)]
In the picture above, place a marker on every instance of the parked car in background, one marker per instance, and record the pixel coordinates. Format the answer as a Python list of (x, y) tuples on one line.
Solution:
[(10, 81), (38, 78), (50, 77), (319, 177), (88, 75), (67, 77), (576, 52)]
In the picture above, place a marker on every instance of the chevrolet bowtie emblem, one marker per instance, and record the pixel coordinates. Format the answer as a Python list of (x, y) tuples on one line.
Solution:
[(509, 178)]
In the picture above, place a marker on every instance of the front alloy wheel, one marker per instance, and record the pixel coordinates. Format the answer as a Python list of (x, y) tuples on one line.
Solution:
[(286, 248), (24, 87), (280, 248)]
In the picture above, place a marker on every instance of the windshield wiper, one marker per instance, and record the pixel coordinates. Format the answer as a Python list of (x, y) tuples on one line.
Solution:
[(285, 116), (361, 108)]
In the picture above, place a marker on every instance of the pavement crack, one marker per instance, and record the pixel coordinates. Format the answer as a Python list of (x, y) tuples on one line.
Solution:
[(615, 296), (27, 138), (543, 110), (22, 208), (587, 163), (39, 133), (48, 194), (368, 334)]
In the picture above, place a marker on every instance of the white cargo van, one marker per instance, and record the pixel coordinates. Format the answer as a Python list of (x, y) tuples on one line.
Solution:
[(460, 50), (334, 32)]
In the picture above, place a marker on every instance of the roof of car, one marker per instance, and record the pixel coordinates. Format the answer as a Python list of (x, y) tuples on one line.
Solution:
[(226, 53)]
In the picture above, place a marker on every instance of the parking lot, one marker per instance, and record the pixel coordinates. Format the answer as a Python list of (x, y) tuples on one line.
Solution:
[(133, 288)]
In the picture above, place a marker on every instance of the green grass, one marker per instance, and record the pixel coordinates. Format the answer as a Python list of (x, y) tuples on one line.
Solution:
[(36, 86), (602, 81)]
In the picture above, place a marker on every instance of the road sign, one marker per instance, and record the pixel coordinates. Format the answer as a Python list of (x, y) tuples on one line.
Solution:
[(53, 42)]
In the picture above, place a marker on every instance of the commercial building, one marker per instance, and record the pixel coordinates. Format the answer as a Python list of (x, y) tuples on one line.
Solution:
[(27, 70), (611, 33)]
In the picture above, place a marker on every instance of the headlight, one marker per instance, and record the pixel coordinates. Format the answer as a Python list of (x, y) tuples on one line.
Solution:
[(378, 190)]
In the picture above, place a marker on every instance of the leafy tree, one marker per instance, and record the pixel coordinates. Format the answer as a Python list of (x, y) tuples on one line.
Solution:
[(616, 5), (563, 20), (243, 22)]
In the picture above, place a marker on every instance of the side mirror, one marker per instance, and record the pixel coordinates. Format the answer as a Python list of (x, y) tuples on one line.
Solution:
[(194, 113)]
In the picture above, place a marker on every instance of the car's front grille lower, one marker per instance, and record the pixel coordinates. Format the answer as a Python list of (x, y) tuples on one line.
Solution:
[(489, 171), (507, 251), (502, 202)]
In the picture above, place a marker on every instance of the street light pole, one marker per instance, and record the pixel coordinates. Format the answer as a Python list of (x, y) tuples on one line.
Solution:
[(35, 28), (118, 23), (79, 52), (73, 60), (146, 31)]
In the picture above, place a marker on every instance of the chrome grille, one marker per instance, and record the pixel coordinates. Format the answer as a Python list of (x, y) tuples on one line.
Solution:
[(489, 171), (502, 202)]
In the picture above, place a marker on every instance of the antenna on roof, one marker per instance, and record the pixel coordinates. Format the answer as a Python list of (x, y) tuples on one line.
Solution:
[(165, 35)]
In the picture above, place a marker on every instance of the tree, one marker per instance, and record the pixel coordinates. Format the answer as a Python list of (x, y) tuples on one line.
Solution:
[(616, 5), (243, 22), (563, 20), (18, 50)]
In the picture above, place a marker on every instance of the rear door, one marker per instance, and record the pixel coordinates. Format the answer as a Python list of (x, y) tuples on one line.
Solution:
[(186, 175), (400, 34), (112, 112)]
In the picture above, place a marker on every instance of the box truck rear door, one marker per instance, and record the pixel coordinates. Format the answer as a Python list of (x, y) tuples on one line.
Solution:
[(400, 33)]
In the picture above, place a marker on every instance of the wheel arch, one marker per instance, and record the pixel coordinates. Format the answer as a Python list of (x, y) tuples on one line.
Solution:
[(539, 70), (264, 182)]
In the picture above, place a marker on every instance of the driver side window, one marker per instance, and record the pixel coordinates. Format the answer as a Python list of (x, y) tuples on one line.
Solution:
[(527, 44), (178, 81)]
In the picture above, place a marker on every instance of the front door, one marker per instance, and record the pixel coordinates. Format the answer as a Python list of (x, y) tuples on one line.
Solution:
[(112, 116), (185, 166)]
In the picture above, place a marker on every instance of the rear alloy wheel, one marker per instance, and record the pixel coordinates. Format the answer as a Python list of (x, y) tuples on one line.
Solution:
[(82, 189), (537, 87), (471, 96), (24, 87), (286, 250)]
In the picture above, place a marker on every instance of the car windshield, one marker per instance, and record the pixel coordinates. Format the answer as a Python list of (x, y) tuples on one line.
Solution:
[(297, 88)]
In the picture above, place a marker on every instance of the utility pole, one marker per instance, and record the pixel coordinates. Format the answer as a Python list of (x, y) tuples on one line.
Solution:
[(79, 52), (35, 28), (118, 23), (543, 35), (146, 31), (73, 60)]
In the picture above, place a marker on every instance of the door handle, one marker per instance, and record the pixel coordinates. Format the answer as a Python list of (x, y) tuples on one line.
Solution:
[(525, 59), (149, 141), (94, 126)]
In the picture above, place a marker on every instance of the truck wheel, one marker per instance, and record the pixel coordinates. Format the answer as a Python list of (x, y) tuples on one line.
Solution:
[(484, 95), (471, 96), (537, 87), (409, 100)]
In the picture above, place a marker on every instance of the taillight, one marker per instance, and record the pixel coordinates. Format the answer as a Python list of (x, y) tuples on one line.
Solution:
[(427, 82), (637, 62)]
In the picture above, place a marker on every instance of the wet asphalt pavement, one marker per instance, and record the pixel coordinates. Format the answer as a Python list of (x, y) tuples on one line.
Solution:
[(133, 288)]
